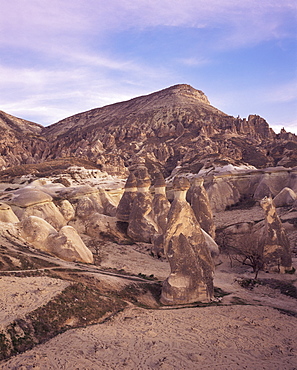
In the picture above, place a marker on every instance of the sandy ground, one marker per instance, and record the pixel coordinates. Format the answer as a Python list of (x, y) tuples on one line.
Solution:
[(19, 296), (251, 336), (235, 337)]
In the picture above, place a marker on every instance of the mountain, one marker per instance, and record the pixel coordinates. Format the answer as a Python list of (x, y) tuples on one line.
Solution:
[(21, 141), (174, 127)]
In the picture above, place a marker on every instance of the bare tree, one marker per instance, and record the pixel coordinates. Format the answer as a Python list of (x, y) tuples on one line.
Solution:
[(248, 252)]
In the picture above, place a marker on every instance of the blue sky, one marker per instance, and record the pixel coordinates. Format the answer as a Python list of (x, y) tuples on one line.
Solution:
[(62, 57)]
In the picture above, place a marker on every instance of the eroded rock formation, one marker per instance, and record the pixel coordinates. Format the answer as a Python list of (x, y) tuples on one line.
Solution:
[(65, 244), (192, 268), (276, 246), (142, 226), (125, 205), (173, 128), (200, 203)]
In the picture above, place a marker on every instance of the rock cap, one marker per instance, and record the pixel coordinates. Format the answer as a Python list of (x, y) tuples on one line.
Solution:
[(160, 181), (181, 183)]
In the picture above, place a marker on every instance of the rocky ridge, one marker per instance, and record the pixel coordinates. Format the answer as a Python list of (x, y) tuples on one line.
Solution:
[(170, 129)]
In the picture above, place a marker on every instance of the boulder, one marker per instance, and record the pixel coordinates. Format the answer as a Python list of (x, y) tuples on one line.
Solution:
[(27, 197), (276, 246), (285, 198), (222, 194), (192, 268), (101, 226), (68, 245), (7, 214), (67, 210), (200, 203), (27, 202), (84, 208), (35, 230), (271, 183), (65, 244), (109, 206)]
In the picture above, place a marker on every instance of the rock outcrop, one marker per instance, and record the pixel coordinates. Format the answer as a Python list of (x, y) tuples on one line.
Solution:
[(285, 198), (160, 209), (65, 244), (29, 202), (160, 203), (7, 214), (142, 226), (125, 205), (276, 246), (170, 129), (200, 203), (192, 268)]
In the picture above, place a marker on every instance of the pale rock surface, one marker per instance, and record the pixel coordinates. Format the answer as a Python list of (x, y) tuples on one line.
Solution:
[(36, 231), (65, 244), (101, 226), (192, 268), (221, 194), (108, 203), (68, 245), (199, 201), (125, 205), (276, 246), (211, 244), (85, 207), (7, 214), (142, 226), (271, 183), (31, 202), (26, 197), (285, 197), (67, 210), (84, 198)]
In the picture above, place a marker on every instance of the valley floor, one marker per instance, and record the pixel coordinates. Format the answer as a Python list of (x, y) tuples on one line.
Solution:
[(248, 328)]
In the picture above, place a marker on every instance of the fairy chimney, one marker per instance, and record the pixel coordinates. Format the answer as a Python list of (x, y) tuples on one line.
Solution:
[(160, 209), (126, 202), (276, 246), (192, 268), (142, 226), (200, 203)]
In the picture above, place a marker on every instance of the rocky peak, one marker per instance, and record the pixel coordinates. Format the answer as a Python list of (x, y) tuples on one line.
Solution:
[(182, 93), (172, 128)]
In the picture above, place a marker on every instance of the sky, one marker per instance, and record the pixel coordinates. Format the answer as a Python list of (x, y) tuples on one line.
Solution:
[(62, 57)]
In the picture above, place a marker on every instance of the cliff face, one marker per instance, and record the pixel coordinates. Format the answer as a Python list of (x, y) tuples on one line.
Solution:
[(176, 126)]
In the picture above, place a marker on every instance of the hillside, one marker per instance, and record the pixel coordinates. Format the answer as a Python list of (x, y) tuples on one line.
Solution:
[(173, 128)]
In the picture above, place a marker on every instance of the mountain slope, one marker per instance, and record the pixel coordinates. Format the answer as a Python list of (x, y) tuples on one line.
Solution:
[(175, 126), (20, 141), (172, 128)]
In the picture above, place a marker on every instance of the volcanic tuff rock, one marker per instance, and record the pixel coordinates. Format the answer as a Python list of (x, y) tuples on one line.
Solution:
[(21, 141), (192, 268), (276, 246), (173, 127)]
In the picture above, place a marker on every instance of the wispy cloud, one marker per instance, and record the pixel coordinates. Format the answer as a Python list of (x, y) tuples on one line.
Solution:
[(71, 67), (36, 22), (282, 93)]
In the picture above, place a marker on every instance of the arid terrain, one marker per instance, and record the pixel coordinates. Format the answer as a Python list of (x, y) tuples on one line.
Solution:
[(80, 290), (245, 327)]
